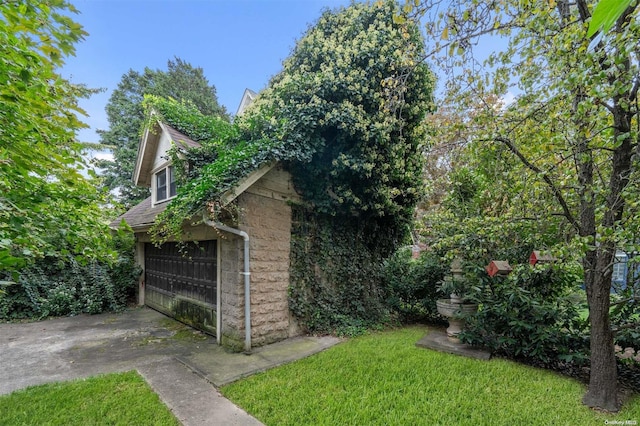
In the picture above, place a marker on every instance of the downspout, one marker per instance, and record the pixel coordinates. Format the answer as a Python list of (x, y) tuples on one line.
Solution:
[(247, 275)]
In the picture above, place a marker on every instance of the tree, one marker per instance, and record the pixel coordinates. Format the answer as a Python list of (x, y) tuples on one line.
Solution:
[(125, 114), (573, 129), (47, 207)]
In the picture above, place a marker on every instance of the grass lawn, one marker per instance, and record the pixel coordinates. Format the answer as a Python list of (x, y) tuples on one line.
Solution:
[(383, 379), (112, 399)]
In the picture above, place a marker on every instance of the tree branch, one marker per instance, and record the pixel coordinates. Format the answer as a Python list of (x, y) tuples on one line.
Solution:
[(623, 301), (556, 192), (625, 326)]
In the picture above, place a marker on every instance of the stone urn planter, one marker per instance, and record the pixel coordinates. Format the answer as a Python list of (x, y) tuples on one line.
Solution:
[(461, 292), (455, 312), (455, 309)]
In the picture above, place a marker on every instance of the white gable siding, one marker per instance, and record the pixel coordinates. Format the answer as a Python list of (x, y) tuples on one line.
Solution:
[(161, 152)]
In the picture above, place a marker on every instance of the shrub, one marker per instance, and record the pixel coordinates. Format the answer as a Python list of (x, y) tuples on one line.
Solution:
[(411, 285), (625, 310), (529, 315), (54, 288)]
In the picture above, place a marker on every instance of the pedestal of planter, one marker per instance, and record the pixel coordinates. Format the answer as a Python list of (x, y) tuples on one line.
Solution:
[(455, 314)]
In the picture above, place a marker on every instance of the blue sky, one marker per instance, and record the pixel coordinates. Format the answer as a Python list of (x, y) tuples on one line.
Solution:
[(238, 44)]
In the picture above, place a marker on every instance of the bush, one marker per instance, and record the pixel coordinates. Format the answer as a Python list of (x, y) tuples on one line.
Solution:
[(54, 288), (411, 285), (625, 310), (529, 315)]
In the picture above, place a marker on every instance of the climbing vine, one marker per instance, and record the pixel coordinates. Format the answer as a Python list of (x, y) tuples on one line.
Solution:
[(339, 92), (345, 117), (336, 275), (185, 117)]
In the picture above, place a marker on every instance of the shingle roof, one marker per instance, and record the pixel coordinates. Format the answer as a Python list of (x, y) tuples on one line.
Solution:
[(180, 138), (140, 216), (144, 214)]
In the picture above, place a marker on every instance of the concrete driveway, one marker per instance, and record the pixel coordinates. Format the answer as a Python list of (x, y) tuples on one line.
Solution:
[(165, 352)]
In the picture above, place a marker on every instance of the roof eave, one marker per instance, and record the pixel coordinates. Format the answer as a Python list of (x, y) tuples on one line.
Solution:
[(150, 138), (244, 183)]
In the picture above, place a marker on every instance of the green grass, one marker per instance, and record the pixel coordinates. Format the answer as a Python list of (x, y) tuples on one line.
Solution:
[(111, 399), (383, 379)]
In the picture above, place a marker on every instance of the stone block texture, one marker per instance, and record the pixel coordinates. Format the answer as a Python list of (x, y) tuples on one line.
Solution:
[(266, 217)]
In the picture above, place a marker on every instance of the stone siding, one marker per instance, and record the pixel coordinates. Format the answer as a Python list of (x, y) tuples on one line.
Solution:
[(268, 223), (231, 291), (266, 216)]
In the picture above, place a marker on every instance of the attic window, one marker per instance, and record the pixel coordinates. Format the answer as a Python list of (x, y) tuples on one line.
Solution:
[(165, 184)]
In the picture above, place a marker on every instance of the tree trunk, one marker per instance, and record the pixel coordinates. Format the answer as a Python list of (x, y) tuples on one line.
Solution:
[(603, 379), (598, 266)]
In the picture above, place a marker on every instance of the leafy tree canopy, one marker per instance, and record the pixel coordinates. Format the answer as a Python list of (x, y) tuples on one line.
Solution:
[(125, 113), (47, 207)]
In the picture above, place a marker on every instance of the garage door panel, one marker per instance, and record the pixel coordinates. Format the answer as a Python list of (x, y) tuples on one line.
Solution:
[(187, 272)]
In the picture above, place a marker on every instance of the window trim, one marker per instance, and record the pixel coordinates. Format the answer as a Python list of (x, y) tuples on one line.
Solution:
[(170, 187)]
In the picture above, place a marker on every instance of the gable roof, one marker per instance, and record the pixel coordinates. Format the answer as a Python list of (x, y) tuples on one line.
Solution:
[(244, 183), (178, 137), (149, 145), (247, 98), (142, 216)]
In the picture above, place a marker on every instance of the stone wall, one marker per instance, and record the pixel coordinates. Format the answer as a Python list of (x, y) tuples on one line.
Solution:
[(231, 291), (266, 217), (268, 223)]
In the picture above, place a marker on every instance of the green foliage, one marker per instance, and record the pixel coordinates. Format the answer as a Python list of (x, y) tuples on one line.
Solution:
[(465, 189), (529, 315), (184, 116), (491, 209), (340, 95), (481, 239), (336, 277), (410, 285), (126, 116), (54, 288), (626, 311), (47, 207)]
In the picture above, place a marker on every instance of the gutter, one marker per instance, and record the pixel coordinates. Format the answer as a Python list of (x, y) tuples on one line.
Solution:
[(247, 284)]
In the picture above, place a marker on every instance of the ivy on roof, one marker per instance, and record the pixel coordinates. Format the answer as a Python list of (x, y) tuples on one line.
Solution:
[(229, 152), (345, 116), (185, 117)]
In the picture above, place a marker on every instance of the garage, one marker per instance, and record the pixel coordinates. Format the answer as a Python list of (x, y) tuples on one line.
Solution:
[(181, 281), (234, 282)]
